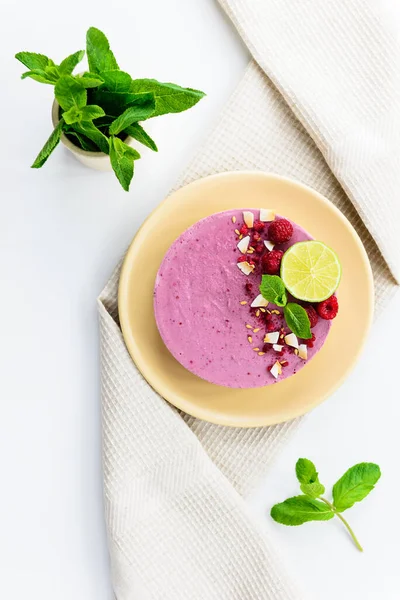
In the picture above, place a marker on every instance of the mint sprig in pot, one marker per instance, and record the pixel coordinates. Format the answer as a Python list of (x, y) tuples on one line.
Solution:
[(98, 114)]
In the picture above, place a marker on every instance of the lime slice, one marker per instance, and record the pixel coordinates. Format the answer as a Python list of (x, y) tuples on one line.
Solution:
[(310, 271)]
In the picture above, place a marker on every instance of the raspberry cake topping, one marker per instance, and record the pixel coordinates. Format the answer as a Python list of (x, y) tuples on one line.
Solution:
[(280, 231), (271, 262), (328, 309)]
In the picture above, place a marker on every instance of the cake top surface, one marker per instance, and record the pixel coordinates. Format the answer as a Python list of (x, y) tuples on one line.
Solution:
[(202, 304)]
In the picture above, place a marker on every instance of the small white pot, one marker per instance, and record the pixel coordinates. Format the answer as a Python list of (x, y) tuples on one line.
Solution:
[(94, 160)]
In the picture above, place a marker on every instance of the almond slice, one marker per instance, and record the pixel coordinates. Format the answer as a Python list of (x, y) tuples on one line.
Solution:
[(291, 340), (259, 301), (271, 338), (276, 369), (303, 351), (244, 244), (246, 268), (269, 245), (248, 218), (277, 347), (266, 214)]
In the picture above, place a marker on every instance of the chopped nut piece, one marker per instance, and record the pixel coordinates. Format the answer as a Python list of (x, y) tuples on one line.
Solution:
[(267, 214), (259, 301), (269, 245), (291, 340), (246, 267), (303, 351), (277, 347), (237, 231), (256, 330), (233, 219), (248, 218), (244, 244), (271, 338), (243, 302), (276, 369), (249, 339)]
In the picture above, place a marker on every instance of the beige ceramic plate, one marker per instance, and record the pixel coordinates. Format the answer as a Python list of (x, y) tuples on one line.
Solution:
[(275, 403)]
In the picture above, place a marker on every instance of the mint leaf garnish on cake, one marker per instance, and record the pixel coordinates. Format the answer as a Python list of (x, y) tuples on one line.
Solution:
[(297, 320), (273, 290)]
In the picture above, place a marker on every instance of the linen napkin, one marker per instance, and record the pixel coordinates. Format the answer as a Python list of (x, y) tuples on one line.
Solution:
[(319, 103)]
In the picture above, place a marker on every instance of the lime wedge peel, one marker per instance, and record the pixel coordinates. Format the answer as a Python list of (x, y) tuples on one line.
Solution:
[(311, 271)]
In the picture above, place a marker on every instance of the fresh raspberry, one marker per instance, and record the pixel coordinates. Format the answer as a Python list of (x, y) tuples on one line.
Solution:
[(254, 259), (280, 231), (259, 248), (256, 236), (328, 309), (244, 230), (258, 226), (312, 315), (248, 286), (242, 258), (266, 347), (271, 262)]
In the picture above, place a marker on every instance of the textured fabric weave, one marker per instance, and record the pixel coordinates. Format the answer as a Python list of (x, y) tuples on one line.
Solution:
[(177, 523)]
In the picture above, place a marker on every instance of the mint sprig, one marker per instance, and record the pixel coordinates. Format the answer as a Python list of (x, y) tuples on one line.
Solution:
[(353, 486), (273, 290), (297, 320), (104, 102)]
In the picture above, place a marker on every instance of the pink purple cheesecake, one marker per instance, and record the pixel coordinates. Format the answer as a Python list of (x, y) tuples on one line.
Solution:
[(208, 306)]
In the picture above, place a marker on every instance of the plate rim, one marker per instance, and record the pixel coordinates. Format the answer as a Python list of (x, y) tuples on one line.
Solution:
[(175, 399)]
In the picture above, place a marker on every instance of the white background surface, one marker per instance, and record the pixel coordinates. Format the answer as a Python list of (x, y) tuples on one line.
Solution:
[(62, 230)]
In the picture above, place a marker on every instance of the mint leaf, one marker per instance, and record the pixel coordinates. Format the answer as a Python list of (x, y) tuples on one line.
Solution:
[(92, 111), (170, 98), (308, 477), (69, 92), (141, 109), (355, 485), (49, 146), (68, 64), (84, 142), (114, 103), (73, 115), (39, 75), (273, 290), (86, 113), (137, 132), (34, 61), (297, 320), (100, 57), (90, 130), (306, 471), (301, 509), (117, 81), (122, 158), (52, 73), (89, 80), (314, 490)]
